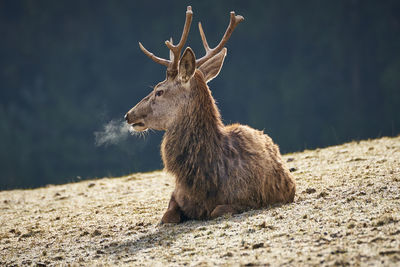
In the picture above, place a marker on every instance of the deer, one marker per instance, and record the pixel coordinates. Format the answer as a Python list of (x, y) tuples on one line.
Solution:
[(218, 169)]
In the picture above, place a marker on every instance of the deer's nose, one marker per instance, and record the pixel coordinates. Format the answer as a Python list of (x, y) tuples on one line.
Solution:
[(126, 117)]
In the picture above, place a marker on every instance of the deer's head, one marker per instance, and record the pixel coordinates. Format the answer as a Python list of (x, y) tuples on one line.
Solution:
[(161, 107)]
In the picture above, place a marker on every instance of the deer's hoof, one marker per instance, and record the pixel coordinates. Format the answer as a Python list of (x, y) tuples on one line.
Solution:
[(171, 216)]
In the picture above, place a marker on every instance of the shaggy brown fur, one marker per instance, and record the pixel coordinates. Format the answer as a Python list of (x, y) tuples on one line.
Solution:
[(220, 169)]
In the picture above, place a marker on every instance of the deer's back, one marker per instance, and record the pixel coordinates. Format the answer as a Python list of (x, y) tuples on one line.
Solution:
[(250, 174), (255, 174)]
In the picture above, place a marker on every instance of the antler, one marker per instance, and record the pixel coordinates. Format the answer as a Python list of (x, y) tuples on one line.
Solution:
[(175, 50), (156, 59), (210, 52)]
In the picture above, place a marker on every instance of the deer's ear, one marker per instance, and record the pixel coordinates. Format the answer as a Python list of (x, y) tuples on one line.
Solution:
[(212, 67), (187, 65)]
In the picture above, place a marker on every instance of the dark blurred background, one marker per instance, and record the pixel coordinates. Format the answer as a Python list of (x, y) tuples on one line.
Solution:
[(310, 73)]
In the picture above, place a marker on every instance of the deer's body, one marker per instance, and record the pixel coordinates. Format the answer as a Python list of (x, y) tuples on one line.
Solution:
[(218, 169), (221, 165)]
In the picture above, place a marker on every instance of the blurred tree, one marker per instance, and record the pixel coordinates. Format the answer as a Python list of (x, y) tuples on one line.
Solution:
[(310, 73)]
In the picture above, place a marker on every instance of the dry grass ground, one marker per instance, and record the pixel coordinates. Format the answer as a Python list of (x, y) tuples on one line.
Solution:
[(346, 212)]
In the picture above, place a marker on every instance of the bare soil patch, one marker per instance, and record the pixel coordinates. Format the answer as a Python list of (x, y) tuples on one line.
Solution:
[(346, 212)]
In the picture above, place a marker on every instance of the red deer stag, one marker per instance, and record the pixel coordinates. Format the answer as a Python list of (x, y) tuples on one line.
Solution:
[(218, 169)]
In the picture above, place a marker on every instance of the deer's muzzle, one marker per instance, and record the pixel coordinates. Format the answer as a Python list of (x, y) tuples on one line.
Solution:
[(137, 124)]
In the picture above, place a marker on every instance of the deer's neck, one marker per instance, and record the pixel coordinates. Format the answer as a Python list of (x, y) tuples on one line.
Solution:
[(191, 149)]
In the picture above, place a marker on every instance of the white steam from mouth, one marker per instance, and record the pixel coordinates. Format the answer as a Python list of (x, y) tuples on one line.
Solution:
[(112, 133)]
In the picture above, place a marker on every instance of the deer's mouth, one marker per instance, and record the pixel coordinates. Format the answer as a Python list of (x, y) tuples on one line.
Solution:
[(138, 126)]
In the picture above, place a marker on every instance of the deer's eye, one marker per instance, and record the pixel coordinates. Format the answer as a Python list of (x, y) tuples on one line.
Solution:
[(159, 93)]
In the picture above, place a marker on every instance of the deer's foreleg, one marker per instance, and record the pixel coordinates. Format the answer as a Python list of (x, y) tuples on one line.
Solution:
[(174, 213), (226, 209)]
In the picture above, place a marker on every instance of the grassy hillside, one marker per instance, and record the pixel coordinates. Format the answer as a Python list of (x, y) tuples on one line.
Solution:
[(346, 211)]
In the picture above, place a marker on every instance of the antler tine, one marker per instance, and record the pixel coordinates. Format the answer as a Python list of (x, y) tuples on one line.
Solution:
[(176, 49), (156, 59), (171, 55), (203, 38), (234, 21)]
